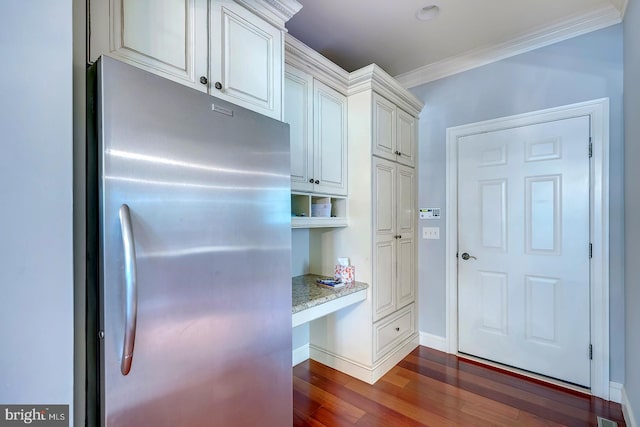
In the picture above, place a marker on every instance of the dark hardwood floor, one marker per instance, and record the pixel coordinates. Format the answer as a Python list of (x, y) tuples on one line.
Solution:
[(431, 388)]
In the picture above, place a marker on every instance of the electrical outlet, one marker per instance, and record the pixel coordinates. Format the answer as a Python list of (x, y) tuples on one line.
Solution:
[(431, 233)]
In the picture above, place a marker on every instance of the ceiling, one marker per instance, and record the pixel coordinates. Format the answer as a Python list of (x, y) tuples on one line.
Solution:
[(356, 33)]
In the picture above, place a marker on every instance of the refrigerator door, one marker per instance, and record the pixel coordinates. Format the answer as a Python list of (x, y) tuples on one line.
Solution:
[(199, 278)]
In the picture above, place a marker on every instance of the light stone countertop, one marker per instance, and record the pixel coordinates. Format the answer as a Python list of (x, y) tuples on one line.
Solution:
[(308, 294)]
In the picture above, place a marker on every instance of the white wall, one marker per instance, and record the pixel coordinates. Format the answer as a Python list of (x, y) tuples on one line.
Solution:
[(632, 205), (580, 69), (36, 166)]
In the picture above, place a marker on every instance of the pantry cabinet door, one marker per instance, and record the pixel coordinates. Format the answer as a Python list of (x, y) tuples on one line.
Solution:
[(246, 59), (165, 37)]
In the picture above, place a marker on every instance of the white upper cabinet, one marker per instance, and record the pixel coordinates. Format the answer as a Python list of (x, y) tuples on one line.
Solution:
[(298, 113), (330, 140), (394, 132), (165, 37), (246, 59), (317, 117), (232, 50)]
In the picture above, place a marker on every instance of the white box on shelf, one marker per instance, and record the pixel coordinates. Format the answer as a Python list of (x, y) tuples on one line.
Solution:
[(321, 209)]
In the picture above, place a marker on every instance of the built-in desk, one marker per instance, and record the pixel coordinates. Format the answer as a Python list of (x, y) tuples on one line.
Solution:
[(311, 300)]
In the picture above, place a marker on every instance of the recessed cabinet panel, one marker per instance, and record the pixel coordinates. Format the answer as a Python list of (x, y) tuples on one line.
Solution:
[(298, 113), (165, 37), (384, 127), (246, 59), (330, 143), (406, 138), (165, 18), (406, 200), (385, 206), (384, 277), (406, 273)]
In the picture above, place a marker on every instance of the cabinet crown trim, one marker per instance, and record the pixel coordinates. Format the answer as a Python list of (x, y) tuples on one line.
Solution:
[(304, 58), (372, 77), (277, 12)]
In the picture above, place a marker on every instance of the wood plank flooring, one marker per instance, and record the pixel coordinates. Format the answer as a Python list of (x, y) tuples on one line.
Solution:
[(431, 388)]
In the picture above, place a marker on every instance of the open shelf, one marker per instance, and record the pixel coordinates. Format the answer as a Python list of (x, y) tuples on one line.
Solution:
[(302, 212)]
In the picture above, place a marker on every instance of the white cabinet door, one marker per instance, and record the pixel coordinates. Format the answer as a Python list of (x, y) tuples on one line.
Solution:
[(246, 59), (384, 128), (298, 113), (394, 227), (384, 223), (165, 37), (406, 138), (330, 140)]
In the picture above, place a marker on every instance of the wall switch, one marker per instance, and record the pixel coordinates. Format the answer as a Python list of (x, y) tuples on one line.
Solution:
[(431, 233)]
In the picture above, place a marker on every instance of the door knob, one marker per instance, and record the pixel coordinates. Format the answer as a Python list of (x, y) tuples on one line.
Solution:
[(466, 256), (204, 80)]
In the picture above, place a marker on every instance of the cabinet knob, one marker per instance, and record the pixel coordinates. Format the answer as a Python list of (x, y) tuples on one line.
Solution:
[(317, 181), (397, 329), (311, 180), (204, 80), (218, 85)]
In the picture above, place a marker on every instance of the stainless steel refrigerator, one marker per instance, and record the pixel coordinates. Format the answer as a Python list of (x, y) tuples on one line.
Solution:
[(189, 244)]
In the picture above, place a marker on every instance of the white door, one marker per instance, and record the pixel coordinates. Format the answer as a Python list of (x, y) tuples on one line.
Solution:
[(523, 245)]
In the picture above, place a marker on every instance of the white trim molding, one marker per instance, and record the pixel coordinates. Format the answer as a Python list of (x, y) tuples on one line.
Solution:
[(300, 354), (627, 411), (549, 34), (433, 341), (615, 392), (598, 111)]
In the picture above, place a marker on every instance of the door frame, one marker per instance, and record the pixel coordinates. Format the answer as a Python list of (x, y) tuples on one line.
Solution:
[(598, 111)]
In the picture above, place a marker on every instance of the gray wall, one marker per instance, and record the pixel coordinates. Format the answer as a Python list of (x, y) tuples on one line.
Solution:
[(632, 203), (36, 166), (580, 69)]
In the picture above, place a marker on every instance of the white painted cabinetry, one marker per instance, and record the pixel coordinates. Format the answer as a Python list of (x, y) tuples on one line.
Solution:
[(371, 337), (394, 135), (317, 116), (394, 211), (233, 51)]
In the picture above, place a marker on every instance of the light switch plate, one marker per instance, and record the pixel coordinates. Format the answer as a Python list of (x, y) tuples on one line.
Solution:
[(432, 233)]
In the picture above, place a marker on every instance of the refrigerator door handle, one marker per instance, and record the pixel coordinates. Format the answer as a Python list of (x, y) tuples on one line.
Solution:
[(131, 289)]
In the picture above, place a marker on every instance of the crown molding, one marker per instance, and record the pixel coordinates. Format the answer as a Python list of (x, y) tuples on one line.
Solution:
[(277, 12), (575, 26), (304, 58), (372, 77)]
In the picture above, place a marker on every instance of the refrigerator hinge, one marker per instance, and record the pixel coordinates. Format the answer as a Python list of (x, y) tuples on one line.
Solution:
[(590, 148), (590, 351), (590, 250)]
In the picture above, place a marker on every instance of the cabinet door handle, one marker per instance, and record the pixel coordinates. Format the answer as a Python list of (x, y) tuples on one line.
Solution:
[(311, 180), (397, 329), (317, 181), (204, 80), (218, 85)]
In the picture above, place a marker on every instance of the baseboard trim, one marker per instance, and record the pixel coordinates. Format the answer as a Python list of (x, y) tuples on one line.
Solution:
[(300, 354), (615, 392), (366, 373), (433, 341), (629, 417)]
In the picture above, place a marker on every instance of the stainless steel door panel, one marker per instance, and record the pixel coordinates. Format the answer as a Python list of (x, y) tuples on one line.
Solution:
[(209, 201)]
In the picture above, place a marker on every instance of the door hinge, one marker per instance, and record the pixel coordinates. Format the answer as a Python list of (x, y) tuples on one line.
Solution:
[(590, 351), (590, 250), (590, 148)]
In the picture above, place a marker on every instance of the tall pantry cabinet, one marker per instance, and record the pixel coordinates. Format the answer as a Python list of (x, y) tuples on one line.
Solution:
[(369, 338)]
